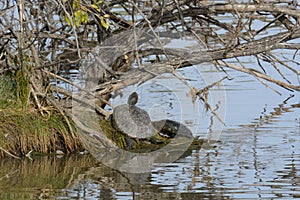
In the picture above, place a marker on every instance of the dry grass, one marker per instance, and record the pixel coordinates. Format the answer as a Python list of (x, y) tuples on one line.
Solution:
[(23, 128), (25, 131)]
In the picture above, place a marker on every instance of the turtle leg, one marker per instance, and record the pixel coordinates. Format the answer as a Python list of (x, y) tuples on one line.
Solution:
[(130, 143)]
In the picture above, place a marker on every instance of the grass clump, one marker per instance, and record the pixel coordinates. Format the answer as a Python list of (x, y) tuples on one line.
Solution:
[(22, 132), (23, 129)]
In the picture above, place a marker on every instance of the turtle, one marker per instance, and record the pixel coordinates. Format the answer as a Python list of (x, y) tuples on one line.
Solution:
[(170, 128), (132, 120)]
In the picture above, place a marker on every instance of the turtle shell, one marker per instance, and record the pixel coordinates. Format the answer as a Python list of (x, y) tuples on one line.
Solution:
[(133, 121), (170, 128)]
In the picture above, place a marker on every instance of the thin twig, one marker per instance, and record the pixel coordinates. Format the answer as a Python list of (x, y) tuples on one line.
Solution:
[(263, 76), (8, 153)]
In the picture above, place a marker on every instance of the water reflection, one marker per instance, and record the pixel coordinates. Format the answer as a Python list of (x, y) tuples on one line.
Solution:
[(41, 177)]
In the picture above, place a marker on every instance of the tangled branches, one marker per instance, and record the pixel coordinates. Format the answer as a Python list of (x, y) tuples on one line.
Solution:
[(43, 39)]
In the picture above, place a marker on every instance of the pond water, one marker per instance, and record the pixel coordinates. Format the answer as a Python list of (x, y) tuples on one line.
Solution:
[(256, 156)]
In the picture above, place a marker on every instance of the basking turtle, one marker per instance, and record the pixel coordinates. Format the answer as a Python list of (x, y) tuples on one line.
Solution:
[(170, 129), (132, 120)]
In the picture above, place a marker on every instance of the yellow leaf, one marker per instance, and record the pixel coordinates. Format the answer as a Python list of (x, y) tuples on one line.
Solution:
[(104, 23), (94, 6), (99, 2), (106, 16), (75, 4), (68, 20), (84, 18)]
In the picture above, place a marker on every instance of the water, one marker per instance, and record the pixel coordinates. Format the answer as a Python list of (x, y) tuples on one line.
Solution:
[(257, 156)]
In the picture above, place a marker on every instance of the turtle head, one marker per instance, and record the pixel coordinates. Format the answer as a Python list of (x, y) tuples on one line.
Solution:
[(132, 99)]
